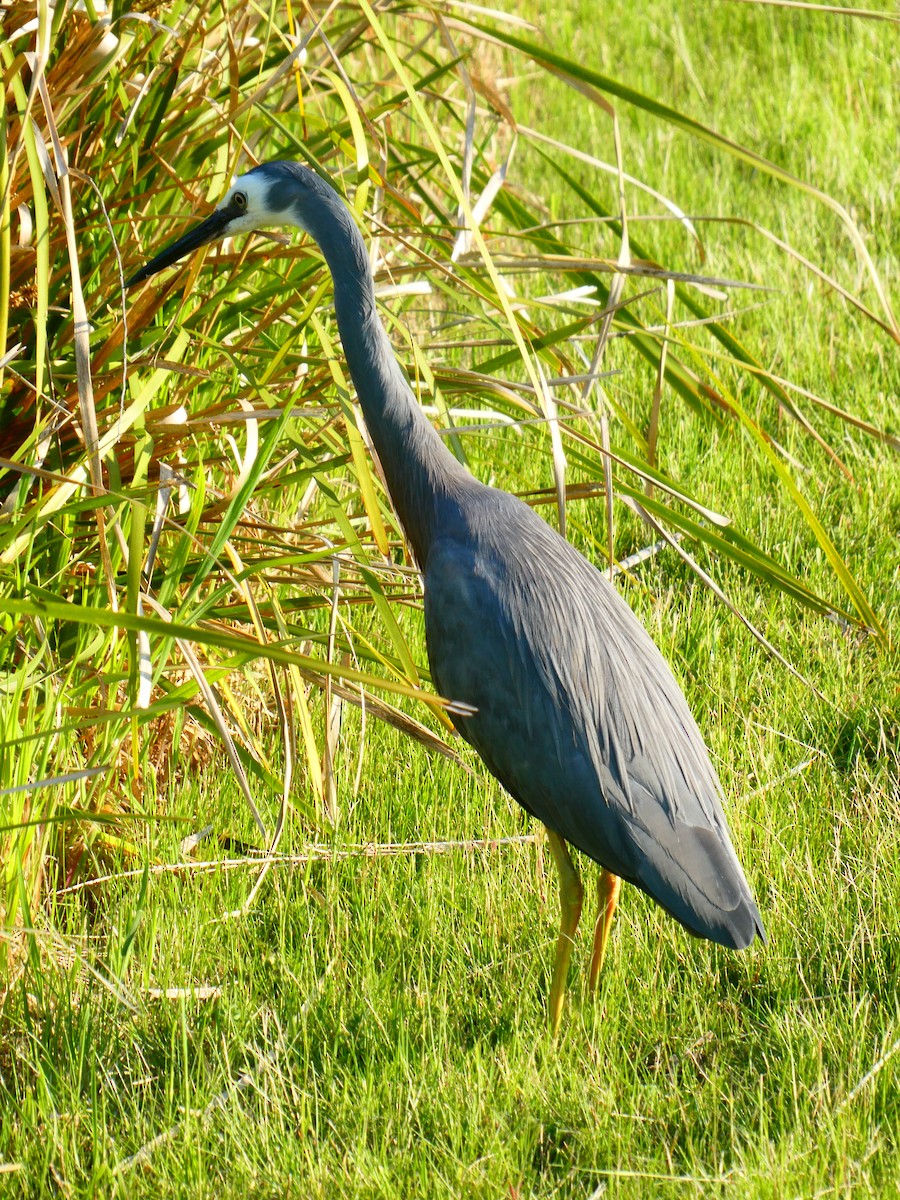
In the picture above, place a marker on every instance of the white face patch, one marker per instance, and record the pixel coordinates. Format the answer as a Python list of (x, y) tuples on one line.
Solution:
[(256, 213)]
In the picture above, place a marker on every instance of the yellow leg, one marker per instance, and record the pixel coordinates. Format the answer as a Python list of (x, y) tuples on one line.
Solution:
[(571, 894), (608, 886)]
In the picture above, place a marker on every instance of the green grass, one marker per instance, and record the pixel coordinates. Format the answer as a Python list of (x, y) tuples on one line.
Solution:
[(379, 1027)]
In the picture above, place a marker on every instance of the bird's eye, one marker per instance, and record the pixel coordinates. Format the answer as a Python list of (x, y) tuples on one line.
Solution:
[(239, 200)]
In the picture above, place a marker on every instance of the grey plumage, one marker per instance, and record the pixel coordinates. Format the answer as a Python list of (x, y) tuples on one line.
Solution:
[(579, 716), (576, 712)]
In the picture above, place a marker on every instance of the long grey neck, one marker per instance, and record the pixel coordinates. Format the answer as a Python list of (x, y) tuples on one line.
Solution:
[(424, 479)]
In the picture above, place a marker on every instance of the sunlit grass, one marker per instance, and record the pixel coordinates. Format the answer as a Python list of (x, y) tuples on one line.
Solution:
[(375, 1026)]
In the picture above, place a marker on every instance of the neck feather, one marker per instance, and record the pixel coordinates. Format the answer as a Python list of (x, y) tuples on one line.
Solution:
[(425, 481)]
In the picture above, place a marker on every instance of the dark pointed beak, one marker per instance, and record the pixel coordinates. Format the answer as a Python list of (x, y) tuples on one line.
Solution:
[(210, 230)]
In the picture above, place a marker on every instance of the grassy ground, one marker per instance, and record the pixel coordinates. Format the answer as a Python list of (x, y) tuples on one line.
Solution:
[(379, 1025)]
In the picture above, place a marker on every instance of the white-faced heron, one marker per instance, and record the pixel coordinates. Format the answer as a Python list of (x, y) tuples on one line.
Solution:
[(572, 706)]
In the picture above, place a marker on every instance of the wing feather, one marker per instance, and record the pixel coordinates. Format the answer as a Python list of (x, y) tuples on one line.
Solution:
[(579, 716)]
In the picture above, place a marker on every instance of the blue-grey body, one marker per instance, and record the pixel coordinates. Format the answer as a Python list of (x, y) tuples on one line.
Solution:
[(575, 710), (578, 715)]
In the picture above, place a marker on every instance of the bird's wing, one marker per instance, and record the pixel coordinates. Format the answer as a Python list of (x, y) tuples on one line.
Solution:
[(580, 718)]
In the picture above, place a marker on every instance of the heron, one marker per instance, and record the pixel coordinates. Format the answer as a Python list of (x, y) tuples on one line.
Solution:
[(564, 695)]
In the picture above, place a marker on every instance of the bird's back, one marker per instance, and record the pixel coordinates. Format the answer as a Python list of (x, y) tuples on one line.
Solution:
[(578, 715)]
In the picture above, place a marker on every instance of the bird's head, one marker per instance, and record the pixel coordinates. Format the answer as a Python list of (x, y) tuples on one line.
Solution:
[(276, 193)]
